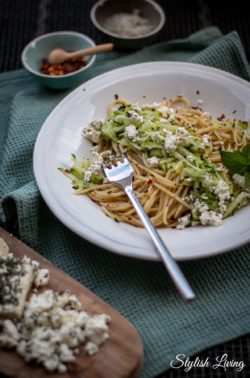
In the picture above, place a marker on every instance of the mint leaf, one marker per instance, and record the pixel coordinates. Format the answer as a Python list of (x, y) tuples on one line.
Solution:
[(246, 152), (247, 179), (236, 161)]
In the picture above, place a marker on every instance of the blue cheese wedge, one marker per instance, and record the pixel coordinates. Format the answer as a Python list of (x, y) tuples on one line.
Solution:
[(17, 276), (15, 282)]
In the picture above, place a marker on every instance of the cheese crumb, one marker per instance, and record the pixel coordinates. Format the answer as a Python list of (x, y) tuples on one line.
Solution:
[(130, 131), (183, 222), (153, 161), (170, 143), (134, 116), (41, 277)]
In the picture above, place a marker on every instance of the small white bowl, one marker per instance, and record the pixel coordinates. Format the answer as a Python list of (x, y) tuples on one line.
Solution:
[(148, 9), (40, 47)]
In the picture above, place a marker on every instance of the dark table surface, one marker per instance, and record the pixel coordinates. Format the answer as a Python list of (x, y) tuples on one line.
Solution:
[(23, 20)]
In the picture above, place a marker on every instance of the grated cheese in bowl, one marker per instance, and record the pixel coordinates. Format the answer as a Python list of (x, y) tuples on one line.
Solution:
[(128, 25)]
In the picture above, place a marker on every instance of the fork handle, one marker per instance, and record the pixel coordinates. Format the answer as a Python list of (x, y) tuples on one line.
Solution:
[(172, 267)]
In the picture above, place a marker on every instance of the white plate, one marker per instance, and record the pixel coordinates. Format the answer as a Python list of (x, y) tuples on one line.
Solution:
[(61, 135)]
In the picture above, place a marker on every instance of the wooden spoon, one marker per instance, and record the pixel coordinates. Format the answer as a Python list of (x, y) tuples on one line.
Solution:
[(58, 56)]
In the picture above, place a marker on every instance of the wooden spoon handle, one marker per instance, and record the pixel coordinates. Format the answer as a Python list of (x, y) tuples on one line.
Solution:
[(93, 50)]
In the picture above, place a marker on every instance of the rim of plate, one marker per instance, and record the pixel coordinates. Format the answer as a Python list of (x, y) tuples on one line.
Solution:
[(68, 218)]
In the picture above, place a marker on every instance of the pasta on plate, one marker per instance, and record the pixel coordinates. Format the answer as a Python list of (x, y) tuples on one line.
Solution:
[(175, 150)]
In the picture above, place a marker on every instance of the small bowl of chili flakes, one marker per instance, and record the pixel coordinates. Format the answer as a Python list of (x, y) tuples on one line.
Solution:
[(58, 76)]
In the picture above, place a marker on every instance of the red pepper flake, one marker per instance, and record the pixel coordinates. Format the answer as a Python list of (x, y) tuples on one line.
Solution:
[(197, 92), (116, 96), (221, 117), (65, 68), (150, 181), (66, 170)]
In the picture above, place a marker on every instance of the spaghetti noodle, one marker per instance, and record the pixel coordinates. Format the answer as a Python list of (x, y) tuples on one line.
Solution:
[(174, 149)]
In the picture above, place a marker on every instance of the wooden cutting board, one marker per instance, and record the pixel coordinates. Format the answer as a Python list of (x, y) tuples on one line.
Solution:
[(121, 356)]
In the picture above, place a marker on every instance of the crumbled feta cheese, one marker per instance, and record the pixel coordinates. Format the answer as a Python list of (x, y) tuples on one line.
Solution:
[(170, 143), (92, 134), (153, 161), (66, 354), (96, 328), (41, 277), (134, 116), (211, 218), (87, 175), (93, 131), (35, 265), (183, 222), (182, 132), (222, 190), (163, 110), (97, 124), (190, 158), (130, 131), (164, 120), (169, 113), (40, 302), (95, 166), (206, 216), (9, 334), (91, 348), (206, 141)]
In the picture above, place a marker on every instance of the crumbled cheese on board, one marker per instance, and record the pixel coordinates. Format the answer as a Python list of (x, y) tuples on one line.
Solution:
[(54, 327), (50, 327)]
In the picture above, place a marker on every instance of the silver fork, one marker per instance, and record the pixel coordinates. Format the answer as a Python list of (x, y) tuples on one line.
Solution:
[(121, 174)]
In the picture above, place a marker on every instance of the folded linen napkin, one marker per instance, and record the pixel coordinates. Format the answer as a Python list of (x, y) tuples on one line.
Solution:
[(140, 290)]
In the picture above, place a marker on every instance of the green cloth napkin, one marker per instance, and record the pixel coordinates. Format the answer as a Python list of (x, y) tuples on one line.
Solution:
[(140, 290)]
